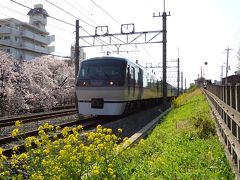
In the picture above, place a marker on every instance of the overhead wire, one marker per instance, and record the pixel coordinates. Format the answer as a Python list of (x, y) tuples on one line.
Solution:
[(80, 12), (26, 49), (69, 13), (48, 16), (101, 41), (89, 13), (120, 24), (22, 31), (33, 18)]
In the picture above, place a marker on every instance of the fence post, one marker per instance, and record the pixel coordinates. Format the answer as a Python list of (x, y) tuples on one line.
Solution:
[(233, 99), (228, 94), (237, 96)]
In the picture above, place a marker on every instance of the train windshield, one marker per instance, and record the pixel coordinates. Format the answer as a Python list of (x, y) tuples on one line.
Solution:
[(102, 70)]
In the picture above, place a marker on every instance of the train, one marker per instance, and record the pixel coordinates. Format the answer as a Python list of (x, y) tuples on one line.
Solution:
[(111, 85)]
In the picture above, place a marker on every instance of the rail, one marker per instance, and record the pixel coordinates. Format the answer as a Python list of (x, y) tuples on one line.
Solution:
[(225, 103)]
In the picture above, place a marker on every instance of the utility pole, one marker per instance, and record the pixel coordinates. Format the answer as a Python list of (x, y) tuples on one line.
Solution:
[(221, 76), (182, 82), (164, 53), (77, 50), (228, 49), (185, 85), (76, 57), (178, 74)]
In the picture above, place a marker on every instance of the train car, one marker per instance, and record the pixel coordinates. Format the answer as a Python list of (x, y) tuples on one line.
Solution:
[(114, 85)]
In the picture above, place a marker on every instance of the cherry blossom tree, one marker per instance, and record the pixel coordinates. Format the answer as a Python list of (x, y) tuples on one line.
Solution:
[(40, 83)]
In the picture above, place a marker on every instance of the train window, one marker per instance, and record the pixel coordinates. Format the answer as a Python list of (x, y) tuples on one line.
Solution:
[(102, 69), (128, 75), (133, 75), (140, 77), (136, 75)]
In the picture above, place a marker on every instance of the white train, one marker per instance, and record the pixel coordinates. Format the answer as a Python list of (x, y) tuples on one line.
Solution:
[(114, 85)]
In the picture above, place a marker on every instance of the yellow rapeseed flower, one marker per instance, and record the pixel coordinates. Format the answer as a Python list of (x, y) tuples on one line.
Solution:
[(65, 131), (22, 156), (40, 128), (15, 132), (50, 127), (58, 127), (45, 126), (108, 138), (95, 170), (80, 127), (119, 130), (1, 151), (29, 141), (14, 162), (109, 131), (18, 123), (15, 148), (46, 151), (100, 146), (141, 142), (110, 171)]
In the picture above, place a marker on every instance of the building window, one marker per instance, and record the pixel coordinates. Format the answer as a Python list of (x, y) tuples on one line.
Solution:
[(8, 50), (6, 37), (16, 39)]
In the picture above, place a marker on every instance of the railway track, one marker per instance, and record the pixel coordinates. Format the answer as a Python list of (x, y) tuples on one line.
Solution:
[(37, 117), (86, 122)]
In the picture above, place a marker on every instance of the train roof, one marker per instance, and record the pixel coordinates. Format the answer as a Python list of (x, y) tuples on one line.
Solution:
[(121, 59), (106, 57)]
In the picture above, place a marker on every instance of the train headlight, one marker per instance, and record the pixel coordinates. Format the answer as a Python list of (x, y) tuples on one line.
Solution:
[(82, 83)]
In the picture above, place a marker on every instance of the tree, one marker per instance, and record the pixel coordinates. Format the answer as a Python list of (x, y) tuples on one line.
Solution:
[(40, 83)]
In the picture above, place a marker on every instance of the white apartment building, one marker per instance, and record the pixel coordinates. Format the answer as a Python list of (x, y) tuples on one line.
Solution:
[(26, 41)]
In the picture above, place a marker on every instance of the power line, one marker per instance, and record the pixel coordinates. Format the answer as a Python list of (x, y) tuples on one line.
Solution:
[(105, 11), (101, 41), (49, 16), (26, 49), (90, 14), (23, 31), (69, 13), (33, 18), (80, 12), (120, 24)]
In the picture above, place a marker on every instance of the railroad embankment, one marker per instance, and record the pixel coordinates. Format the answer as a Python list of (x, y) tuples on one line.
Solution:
[(183, 146)]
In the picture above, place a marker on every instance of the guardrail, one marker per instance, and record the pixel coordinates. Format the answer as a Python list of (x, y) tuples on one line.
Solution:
[(225, 103)]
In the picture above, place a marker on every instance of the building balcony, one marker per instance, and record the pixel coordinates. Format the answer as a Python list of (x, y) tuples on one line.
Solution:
[(33, 47), (5, 30), (28, 46), (46, 40)]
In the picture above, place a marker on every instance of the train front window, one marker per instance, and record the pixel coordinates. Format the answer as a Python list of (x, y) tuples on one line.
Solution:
[(102, 70)]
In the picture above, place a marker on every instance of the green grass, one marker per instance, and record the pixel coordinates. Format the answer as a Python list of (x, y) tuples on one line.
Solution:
[(183, 146)]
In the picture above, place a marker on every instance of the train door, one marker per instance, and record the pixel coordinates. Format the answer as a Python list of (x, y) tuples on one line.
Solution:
[(140, 83), (133, 81), (128, 79)]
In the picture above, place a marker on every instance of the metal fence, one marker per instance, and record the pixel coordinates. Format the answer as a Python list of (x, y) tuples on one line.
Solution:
[(225, 103)]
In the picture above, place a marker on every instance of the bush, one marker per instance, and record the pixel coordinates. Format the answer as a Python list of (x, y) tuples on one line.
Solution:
[(204, 124)]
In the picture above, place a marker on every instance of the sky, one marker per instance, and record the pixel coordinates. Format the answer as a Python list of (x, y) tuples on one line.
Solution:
[(198, 31)]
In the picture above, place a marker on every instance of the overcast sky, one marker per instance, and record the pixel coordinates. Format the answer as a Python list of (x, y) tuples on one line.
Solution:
[(200, 29)]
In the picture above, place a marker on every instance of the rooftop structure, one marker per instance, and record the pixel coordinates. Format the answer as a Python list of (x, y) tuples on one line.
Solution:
[(26, 41)]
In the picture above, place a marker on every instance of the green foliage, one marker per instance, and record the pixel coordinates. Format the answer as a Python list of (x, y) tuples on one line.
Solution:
[(204, 124), (181, 147)]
